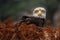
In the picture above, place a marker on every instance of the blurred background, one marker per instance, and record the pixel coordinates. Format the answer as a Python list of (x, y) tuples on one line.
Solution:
[(17, 8)]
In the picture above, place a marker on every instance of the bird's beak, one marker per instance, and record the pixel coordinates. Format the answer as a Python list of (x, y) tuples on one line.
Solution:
[(39, 13)]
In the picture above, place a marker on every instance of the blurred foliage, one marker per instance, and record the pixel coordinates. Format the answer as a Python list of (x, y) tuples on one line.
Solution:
[(15, 7)]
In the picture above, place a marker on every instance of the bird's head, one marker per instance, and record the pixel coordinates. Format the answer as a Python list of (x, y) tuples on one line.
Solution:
[(39, 12)]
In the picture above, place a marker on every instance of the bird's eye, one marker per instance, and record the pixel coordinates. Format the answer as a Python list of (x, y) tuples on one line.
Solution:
[(36, 11), (43, 11)]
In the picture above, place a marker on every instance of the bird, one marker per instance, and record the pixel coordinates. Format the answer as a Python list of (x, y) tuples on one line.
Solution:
[(38, 17), (39, 12)]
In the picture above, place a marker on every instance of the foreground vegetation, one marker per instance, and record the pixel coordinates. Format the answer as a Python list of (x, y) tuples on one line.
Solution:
[(8, 31)]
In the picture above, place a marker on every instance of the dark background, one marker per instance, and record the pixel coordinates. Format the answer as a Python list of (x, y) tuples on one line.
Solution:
[(16, 8)]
